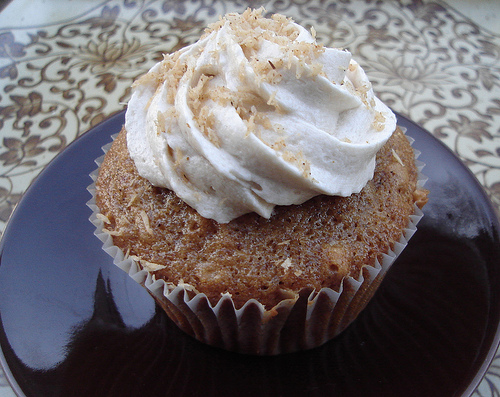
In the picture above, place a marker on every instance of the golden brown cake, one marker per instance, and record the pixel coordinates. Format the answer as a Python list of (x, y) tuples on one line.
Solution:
[(315, 244), (259, 189)]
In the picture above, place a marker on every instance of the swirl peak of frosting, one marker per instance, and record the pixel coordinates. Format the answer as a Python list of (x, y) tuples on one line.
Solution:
[(253, 115)]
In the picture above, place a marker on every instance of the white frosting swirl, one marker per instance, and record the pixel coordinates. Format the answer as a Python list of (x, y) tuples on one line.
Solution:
[(256, 114)]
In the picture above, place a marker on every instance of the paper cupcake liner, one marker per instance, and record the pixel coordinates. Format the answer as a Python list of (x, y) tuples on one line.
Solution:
[(303, 321)]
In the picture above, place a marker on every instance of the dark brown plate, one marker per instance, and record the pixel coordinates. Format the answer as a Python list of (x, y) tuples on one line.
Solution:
[(72, 324)]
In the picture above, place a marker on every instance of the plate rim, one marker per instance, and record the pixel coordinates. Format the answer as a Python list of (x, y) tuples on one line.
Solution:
[(482, 369)]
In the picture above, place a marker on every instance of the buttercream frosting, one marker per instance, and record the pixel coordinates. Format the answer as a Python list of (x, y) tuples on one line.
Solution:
[(253, 115)]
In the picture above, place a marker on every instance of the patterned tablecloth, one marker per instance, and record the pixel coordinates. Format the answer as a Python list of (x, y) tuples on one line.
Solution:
[(66, 66)]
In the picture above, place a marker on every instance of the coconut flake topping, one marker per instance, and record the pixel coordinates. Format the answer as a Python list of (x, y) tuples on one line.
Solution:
[(256, 114)]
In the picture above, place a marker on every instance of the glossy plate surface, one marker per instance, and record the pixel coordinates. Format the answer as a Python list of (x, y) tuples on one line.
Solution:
[(72, 324)]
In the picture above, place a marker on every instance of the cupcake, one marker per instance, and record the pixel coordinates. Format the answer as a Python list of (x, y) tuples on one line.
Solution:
[(259, 189)]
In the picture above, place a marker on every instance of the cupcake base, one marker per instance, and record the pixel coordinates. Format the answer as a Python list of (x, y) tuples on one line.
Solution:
[(300, 321)]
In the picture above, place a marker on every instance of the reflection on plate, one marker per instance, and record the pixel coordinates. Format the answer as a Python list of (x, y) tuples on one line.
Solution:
[(72, 324)]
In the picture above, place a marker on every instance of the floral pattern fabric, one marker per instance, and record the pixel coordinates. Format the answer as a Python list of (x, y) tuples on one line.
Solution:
[(425, 60)]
